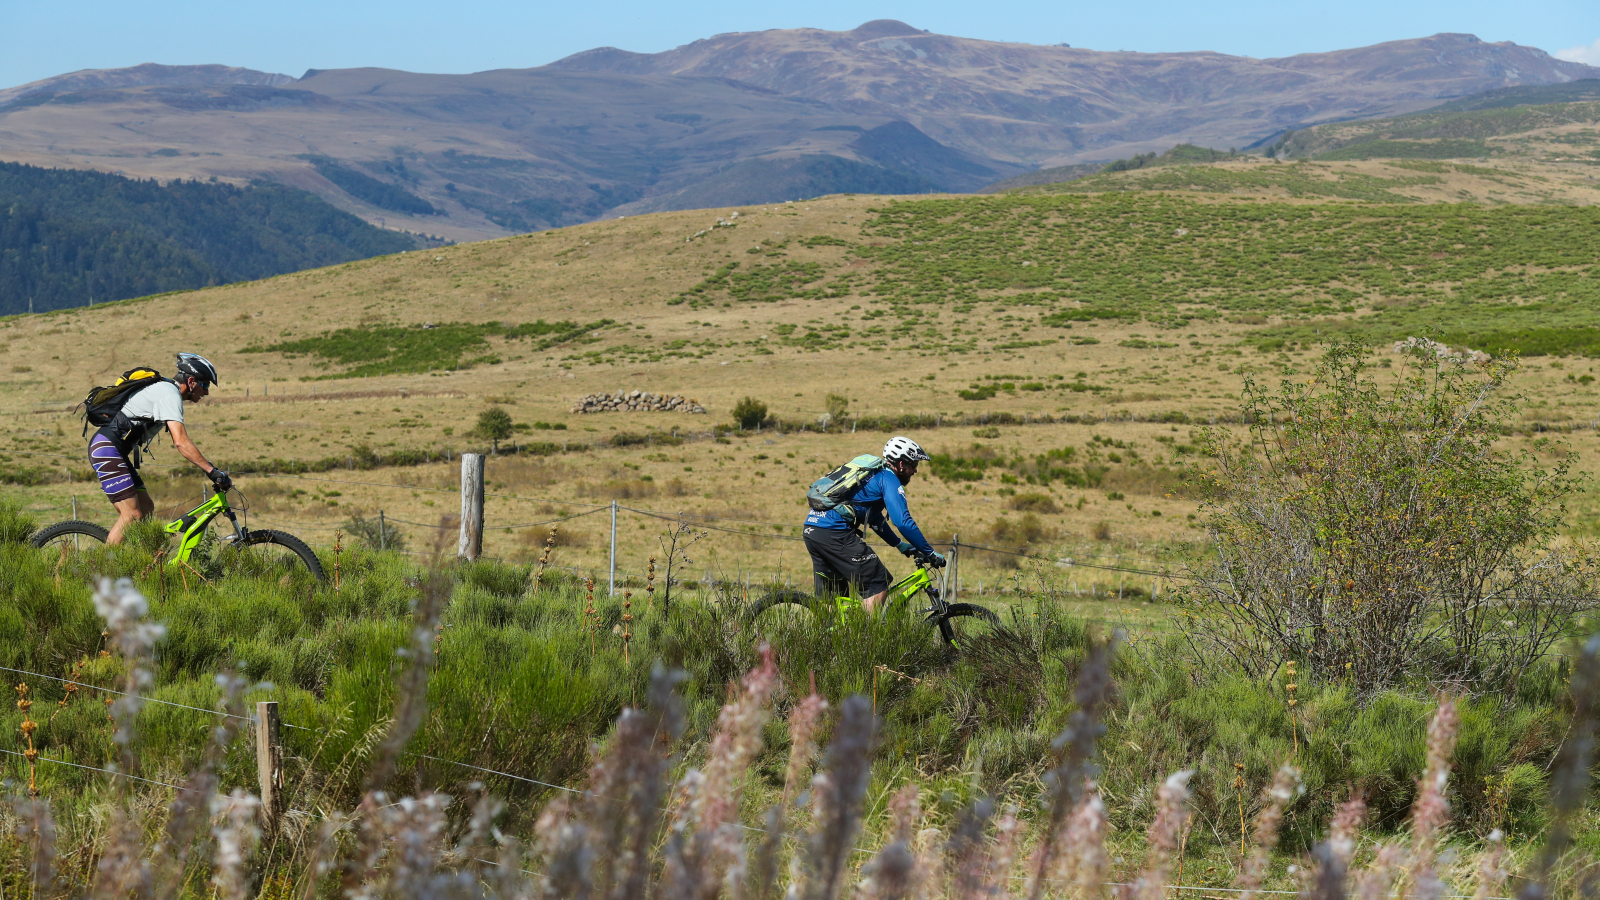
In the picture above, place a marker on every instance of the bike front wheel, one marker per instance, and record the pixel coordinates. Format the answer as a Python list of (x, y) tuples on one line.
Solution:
[(271, 554), (962, 611)]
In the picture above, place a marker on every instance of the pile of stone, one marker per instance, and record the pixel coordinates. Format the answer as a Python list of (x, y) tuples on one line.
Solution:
[(633, 401), (1442, 351)]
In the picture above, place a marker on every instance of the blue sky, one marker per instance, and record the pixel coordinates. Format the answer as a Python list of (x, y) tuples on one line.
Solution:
[(39, 39)]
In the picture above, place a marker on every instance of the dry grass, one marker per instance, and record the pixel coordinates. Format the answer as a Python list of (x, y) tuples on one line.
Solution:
[(628, 270)]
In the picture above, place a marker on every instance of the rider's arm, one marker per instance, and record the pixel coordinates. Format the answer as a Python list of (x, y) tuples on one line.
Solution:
[(186, 447), (876, 522), (894, 503)]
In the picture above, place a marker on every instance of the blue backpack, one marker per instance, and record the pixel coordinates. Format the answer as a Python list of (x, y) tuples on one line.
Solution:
[(832, 490)]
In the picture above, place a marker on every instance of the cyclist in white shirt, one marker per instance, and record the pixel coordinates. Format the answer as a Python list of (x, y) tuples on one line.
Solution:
[(113, 451)]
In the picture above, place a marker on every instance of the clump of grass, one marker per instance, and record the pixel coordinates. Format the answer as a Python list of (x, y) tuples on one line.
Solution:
[(16, 526)]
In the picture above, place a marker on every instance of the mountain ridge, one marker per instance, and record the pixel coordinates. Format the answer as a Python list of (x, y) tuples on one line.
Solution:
[(736, 118)]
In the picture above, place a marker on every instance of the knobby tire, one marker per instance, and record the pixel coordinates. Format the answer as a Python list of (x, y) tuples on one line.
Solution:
[(61, 529), (288, 542)]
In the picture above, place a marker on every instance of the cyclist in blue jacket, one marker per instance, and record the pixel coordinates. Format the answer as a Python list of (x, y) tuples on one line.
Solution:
[(839, 556)]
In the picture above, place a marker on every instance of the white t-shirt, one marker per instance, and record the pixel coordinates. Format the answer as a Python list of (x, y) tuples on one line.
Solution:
[(152, 408)]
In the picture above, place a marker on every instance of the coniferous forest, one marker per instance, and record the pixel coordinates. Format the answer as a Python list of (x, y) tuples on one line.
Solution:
[(70, 237)]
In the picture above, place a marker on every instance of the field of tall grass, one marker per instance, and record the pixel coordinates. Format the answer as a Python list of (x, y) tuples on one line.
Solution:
[(518, 683)]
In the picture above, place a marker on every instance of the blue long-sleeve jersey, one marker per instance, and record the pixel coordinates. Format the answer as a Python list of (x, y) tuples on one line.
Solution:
[(883, 496)]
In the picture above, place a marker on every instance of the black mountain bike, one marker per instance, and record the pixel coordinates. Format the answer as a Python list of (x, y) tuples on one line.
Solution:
[(897, 600), (256, 551)]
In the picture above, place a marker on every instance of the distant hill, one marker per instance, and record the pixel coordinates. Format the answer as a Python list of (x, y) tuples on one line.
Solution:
[(69, 238), (742, 118), (1467, 129), (1526, 95), (142, 76), (1181, 155)]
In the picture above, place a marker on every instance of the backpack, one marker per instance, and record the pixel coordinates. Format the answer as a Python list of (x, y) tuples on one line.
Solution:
[(104, 404), (832, 490)]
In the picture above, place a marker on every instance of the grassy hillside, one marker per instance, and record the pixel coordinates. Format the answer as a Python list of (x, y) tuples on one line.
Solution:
[(1055, 349)]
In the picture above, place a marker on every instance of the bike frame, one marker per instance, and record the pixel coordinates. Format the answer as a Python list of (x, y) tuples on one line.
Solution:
[(191, 527), (899, 594)]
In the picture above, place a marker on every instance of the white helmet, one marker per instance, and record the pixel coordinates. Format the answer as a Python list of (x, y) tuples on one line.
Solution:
[(904, 448)]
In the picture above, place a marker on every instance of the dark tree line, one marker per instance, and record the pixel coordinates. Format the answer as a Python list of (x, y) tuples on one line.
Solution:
[(68, 237)]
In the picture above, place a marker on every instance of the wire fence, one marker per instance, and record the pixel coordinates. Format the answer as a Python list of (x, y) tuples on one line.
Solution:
[(771, 531)]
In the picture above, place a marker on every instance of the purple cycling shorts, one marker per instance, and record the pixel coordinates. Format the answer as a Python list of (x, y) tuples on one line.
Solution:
[(118, 478)]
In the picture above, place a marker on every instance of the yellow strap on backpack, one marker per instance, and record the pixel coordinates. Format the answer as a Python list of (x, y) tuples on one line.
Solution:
[(136, 374)]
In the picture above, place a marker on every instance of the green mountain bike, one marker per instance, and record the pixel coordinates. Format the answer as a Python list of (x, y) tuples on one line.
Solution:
[(897, 600), (257, 551)]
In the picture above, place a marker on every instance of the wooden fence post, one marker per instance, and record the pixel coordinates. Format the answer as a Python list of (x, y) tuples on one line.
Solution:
[(955, 568), (471, 544), (269, 763)]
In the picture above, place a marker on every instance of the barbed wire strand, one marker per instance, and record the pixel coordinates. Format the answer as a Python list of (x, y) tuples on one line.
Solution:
[(62, 762), (122, 694)]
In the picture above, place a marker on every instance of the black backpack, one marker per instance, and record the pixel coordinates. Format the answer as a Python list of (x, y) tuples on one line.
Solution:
[(104, 404)]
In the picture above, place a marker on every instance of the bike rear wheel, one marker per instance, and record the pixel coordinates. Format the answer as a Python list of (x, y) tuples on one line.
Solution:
[(963, 611), (268, 553), (69, 537), (783, 599)]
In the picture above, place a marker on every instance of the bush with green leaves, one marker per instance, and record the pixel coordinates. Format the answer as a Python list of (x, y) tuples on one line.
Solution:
[(1380, 532), (494, 425), (749, 412)]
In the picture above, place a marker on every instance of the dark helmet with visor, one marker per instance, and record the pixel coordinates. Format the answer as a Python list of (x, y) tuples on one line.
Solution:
[(198, 366)]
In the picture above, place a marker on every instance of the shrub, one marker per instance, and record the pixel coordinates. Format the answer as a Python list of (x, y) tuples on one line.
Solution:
[(1026, 530), (16, 526), (1379, 534), (1034, 502), (749, 412), (494, 425), (375, 533)]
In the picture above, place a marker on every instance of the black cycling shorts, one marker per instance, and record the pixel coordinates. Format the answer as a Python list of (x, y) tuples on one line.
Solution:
[(118, 478), (841, 560)]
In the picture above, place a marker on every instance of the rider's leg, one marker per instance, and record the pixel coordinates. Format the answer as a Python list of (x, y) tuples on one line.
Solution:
[(870, 604), (130, 510), (121, 483)]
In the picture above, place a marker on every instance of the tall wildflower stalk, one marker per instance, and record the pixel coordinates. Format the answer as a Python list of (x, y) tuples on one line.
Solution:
[(1569, 777), (892, 872), (236, 832), (803, 720), (1074, 751), (36, 830), (712, 855), (836, 795), (1285, 786), (1431, 813), (621, 810), (124, 868), (966, 851), (1161, 840)]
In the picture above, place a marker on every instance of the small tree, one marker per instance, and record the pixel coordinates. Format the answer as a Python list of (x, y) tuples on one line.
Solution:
[(1381, 533), (835, 405), (494, 425), (749, 412)]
